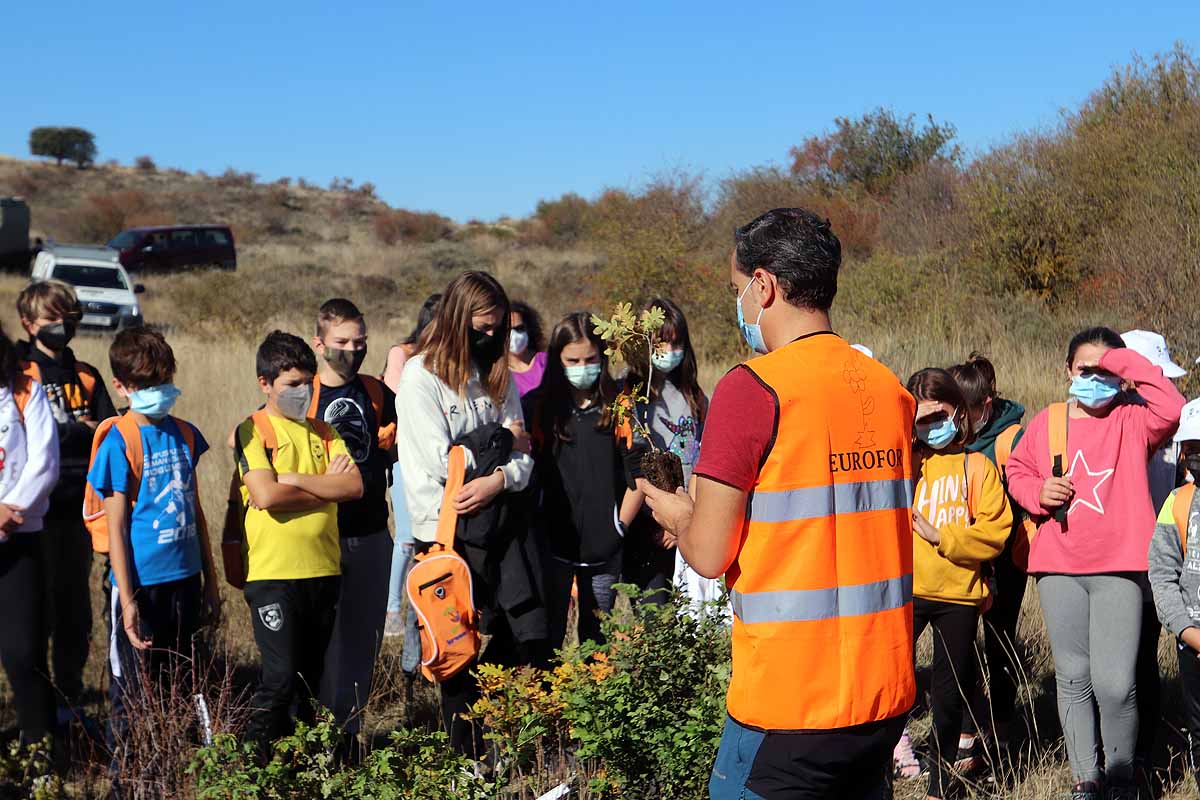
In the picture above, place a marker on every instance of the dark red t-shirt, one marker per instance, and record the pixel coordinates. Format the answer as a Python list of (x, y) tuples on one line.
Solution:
[(738, 430)]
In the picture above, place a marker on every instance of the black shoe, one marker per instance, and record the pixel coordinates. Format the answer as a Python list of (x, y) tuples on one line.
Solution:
[(1088, 790)]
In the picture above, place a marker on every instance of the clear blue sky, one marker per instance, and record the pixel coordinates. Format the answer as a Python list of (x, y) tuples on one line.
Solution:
[(479, 110)]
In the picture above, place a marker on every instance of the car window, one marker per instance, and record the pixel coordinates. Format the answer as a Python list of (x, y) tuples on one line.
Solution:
[(215, 238), (183, 240), (125, 240), (158, 240), (96, 277)]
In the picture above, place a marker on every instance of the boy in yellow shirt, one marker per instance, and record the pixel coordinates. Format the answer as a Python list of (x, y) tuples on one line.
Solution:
[(294, 472)]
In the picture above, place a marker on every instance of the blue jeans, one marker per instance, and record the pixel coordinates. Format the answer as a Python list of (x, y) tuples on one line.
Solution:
[(841, 764), (402, 555)]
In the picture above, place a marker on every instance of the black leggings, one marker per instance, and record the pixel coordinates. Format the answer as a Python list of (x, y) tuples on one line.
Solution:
[(1189, 679), (23, 633), (1002, 658), (953, 674)]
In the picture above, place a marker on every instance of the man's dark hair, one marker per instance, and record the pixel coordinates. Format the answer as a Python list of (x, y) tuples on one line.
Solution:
[(141, 358), (799, 249), (280, 352)]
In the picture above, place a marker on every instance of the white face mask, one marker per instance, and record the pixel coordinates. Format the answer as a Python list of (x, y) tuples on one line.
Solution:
[(518, 342), (294, 401)]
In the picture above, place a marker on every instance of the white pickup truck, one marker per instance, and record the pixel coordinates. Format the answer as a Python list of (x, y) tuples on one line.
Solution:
[(107, 296)]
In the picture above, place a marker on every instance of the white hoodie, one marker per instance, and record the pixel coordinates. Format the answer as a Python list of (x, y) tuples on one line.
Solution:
[(429, 417), (28, 455)]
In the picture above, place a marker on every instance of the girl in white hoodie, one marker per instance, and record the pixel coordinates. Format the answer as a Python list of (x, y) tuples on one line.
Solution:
[(459, 381), (28, 471)]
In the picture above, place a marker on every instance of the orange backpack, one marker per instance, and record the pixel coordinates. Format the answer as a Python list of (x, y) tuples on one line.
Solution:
[(440, 591), (94, 517), (1057, 420), (1181, 508), (386, 436), (233, 534)]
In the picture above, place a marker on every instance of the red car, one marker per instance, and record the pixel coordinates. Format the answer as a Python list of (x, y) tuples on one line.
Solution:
[(176, 247)]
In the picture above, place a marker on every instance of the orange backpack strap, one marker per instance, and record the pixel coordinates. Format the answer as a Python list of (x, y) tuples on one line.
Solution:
[(1181, 508), (30, 369), (266, 432), (316, 397), (22, 390), (132, 434), (1057, 421), (1004, 448), (386, 435), (325, 431), (456, 476), (87, 379)]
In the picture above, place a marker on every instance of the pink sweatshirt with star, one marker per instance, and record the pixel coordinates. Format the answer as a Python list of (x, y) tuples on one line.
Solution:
[(1110, 519)]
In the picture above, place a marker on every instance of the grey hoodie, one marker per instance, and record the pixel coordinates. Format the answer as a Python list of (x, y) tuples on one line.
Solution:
[(1174, 578)]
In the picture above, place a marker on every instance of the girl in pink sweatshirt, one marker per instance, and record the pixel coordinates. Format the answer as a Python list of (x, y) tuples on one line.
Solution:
[(1091, 566)]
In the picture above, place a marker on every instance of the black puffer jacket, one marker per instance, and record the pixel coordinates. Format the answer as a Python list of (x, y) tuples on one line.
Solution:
[(502, 548)]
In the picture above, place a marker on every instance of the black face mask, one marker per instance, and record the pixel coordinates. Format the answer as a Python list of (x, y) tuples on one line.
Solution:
[(57, 336), (485, 348), (345, 362)]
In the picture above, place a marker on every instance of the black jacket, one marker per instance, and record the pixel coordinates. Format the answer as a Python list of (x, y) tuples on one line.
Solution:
[(501, 547)]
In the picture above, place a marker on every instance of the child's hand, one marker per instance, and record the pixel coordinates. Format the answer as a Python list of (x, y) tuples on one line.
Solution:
[(521, 441), (340, 465), (210, 612), (1056, 492), (133, 626), (11, 517), (665, 539), (479, 493), (925, 530)]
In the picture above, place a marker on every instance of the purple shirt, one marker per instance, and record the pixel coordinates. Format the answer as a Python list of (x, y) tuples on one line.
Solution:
[(532, 378)]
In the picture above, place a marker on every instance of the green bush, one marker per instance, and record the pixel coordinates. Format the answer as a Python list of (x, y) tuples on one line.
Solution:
[(415, 765)]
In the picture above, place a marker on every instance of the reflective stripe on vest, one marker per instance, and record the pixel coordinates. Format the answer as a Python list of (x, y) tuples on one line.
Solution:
[(822, 583), (822, 501), (806, 605)]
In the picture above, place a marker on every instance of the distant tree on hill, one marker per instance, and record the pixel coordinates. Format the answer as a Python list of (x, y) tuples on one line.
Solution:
[(64, 144), (871, 152)]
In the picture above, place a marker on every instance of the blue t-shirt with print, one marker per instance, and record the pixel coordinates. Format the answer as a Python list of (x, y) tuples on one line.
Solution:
[(162, 530)]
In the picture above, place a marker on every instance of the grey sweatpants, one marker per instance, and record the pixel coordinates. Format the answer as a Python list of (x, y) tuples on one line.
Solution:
[(1094, 622)]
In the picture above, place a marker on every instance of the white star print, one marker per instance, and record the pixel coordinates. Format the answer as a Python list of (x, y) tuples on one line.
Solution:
[(1103, 475)]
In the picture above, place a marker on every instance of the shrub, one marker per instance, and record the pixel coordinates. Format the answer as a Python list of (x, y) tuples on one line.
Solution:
[(413, 765), (870, 153), (145, 164), (64, 144), (234, 179), (396, 225), (102, 216), (562, 221), (646, 709), (925, 211)]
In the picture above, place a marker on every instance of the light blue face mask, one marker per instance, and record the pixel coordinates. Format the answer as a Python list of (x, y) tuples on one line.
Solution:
[(155, 402), (668, 361), (1095, 391), (583, 376), (938, 434), (752, 333)]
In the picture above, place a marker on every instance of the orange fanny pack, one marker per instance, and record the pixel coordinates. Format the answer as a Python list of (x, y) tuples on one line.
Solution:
[(440, 589)]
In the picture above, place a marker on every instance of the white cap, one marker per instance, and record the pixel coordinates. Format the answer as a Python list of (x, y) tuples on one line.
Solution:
[(1189, 422), (1154, 347), (862, 348)]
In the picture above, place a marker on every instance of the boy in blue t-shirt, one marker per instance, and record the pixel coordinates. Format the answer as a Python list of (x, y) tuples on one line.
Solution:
[(158, 542)]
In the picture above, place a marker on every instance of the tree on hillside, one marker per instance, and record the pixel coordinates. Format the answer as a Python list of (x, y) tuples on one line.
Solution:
[(872, 152), (64, 144)]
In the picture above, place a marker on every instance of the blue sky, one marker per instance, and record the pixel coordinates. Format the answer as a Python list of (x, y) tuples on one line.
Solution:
[(478, 110)]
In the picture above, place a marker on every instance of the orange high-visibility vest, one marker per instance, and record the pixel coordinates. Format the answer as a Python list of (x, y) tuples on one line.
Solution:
[(822, 584)]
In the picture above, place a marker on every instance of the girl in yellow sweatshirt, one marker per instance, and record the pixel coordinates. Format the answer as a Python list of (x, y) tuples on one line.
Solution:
[(961, 519)]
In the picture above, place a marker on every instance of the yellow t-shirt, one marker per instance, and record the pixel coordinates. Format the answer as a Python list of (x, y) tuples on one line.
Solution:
[(289, 545)]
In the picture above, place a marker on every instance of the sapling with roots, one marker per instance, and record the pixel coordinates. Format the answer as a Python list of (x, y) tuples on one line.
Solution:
[(631, 342)]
